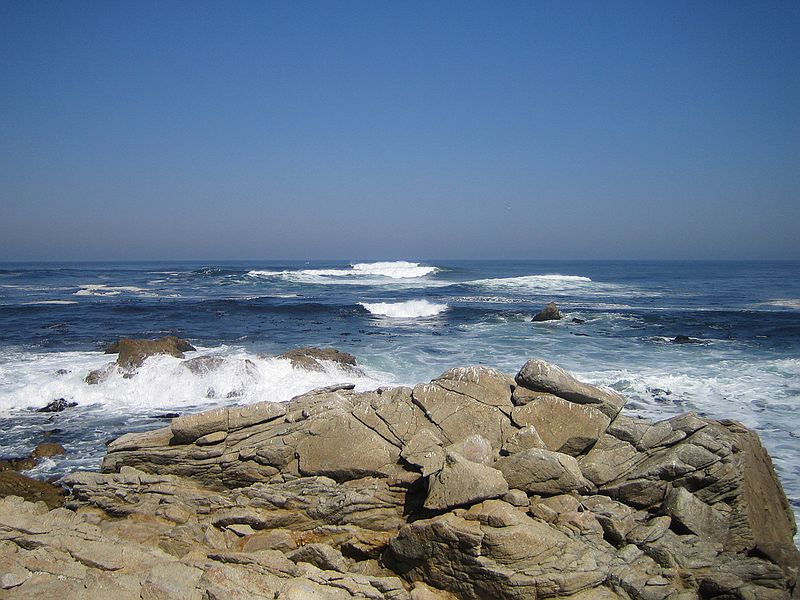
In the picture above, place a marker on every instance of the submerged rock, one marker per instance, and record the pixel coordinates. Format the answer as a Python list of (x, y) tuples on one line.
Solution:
[(476, 485)]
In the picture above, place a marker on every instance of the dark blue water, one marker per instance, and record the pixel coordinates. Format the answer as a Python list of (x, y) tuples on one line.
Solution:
[(406, 323)]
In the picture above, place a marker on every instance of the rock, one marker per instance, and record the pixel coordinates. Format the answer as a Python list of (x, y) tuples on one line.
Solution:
[(309, 358), (133, 352), (578, 321), (16, 484), (462, 482), (601, 506), (320, 555), (548, 313), (563, 426), (685, 339), (48, 449), (17, 463), (541, 376), (57, 405), (543, 472)]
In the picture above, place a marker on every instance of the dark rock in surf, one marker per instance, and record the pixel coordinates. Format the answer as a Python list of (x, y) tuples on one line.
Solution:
[(57, 406), (133, 352), (685, 339), (548, 313), (309, 358), (578, 321)]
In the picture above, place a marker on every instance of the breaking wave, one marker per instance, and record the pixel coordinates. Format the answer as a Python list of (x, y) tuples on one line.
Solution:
[(412, 309)]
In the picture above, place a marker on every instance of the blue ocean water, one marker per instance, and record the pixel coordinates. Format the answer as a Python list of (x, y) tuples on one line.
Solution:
[(406, 323)]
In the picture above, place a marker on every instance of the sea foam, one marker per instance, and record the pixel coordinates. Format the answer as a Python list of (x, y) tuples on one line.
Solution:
[(412, 309), (355, 274)]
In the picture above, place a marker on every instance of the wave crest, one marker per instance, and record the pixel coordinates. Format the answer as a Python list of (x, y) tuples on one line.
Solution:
[(412, 309), (355, 274)]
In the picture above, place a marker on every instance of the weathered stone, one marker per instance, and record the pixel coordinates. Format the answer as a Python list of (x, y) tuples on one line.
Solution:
[(541, 376), (563, 426), (424, 450), (463, 482), (543, 472)]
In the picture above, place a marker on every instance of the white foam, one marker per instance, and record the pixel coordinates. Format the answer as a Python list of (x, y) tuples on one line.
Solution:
[(356, 274), (412, 309), (399, 269), (785, 303), (101, 289), (30, 380), (541, 282), (51, 302)]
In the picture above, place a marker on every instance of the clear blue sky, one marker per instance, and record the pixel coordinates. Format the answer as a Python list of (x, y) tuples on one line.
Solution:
[(359, 130)]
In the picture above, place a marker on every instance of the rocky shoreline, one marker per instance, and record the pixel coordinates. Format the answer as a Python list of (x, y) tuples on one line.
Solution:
[(476, 485)]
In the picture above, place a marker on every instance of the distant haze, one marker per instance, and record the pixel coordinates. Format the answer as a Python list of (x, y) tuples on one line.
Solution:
[(369, 130)]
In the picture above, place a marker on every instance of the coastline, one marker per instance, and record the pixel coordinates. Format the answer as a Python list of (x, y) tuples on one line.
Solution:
[(348, 494)]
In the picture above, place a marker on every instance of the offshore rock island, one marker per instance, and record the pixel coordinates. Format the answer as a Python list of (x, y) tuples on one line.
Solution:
[(476, 485)]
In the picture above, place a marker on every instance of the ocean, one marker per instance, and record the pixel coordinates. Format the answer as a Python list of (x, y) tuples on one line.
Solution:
[(406, 322)]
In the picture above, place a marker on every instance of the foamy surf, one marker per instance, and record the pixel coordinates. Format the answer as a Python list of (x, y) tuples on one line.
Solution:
[(30, 381), (355, 274), (412, 309)]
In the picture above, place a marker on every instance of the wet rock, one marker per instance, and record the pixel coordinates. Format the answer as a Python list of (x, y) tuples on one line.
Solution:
[(33, 490), (133, 352), (309, 358), (47, 449), (57, 405), (685, 339), (548, 313)]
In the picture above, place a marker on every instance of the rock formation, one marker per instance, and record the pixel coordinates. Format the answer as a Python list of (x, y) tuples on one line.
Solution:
[(548, 313), (476, 485)]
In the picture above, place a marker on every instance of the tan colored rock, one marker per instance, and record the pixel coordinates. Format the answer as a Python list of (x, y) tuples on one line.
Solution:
[(543, 472), (463, 482), (563, 426), (541, 376)]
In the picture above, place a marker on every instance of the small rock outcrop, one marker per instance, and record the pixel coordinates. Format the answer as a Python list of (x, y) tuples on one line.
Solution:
[(133, 352), (309, 358), (548, 313), (475, 485)]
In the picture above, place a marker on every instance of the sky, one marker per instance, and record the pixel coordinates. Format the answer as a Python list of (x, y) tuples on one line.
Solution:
[(399, 130)]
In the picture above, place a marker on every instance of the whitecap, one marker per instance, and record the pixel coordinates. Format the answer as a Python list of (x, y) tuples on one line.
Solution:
[(101, 289), (412, 309), (785, 303), (50, 302), (357, 274)]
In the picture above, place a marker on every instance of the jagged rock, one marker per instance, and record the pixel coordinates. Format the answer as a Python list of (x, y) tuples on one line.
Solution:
[(541, 376), (309, 358), (133, 352), (463, 482), (548, 313), (57, 405)]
